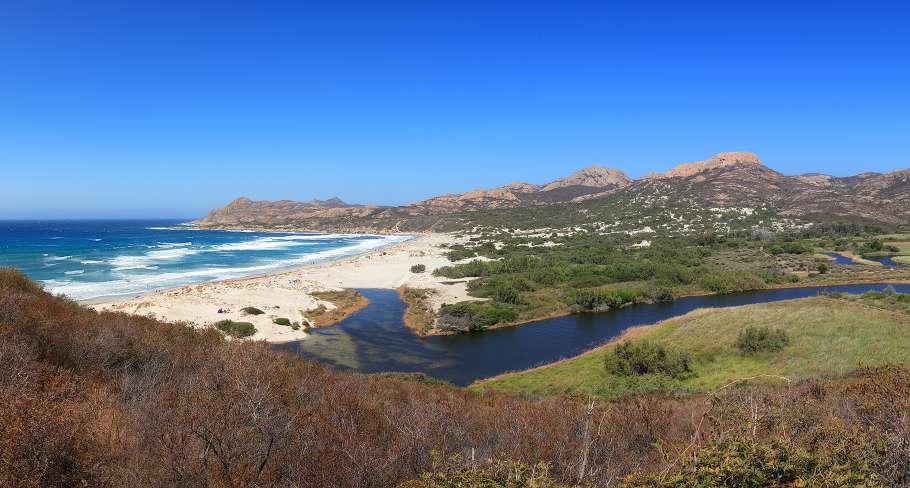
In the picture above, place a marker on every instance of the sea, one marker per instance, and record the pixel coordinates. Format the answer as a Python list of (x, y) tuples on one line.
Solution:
[(89, 259)]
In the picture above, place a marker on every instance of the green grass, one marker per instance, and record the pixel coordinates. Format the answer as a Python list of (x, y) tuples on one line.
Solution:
[(902, 259), (827, 336), (235, 329)]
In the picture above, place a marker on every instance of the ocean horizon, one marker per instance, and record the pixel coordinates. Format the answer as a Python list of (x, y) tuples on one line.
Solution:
[(90, 259)]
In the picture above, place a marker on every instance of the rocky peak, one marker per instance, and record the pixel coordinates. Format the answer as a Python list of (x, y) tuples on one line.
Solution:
[(520, 187), (595, 176), (240, 202), (719, 160), (817, 179), (333, 202)]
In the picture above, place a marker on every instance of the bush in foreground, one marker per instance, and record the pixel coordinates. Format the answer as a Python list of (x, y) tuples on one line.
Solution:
[(641, 358), (105, 399), (753, 340), (746, 463), (251, 311), (282, 321), (235, 329), (487, 474), (418, 268)]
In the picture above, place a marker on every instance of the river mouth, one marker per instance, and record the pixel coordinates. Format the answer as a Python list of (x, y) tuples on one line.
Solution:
[(375, 340)]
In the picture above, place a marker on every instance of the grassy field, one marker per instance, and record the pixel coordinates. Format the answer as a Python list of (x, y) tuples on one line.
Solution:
[(828, 336)]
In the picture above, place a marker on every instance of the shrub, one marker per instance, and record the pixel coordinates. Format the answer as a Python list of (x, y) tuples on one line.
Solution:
[(641, 358), (507, 294), (731, 282), (753, 340), (489, 473), (295, 326), (746, 463), (282, 321), (418, 268), (235, 329), (822, 268), (789, 248), (475, 316), (251, 311), (601, 299)]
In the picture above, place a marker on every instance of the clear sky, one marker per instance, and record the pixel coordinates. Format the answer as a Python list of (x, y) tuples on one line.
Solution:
[(158, 108)]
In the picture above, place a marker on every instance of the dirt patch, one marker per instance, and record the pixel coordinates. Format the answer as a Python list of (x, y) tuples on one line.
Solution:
[(346, 302), (419, 315)]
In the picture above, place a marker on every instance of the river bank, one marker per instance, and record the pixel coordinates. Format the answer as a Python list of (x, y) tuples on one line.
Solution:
[(377, 341)]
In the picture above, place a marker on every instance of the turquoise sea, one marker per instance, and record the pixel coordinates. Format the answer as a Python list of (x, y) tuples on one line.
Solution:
[(87, 259)]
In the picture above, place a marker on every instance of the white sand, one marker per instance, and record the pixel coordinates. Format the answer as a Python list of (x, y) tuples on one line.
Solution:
[(287, 294)]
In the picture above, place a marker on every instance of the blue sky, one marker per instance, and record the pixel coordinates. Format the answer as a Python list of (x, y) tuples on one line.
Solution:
[(157, 109)]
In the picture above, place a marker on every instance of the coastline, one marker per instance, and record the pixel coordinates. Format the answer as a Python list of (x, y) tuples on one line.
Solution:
[(290, 293)]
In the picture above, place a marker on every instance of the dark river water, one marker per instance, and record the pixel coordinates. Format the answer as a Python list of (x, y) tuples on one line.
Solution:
[(840, 259), (888, 261), (885, 260), (376, 340)]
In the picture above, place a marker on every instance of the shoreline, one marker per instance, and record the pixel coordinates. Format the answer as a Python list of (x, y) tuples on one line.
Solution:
[(291, 293), (385, 267), (276, 271)]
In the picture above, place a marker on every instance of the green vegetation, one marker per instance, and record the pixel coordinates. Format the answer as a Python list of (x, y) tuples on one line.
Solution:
[(474, 316), (251, 311), (418, 268), (488, 474), (282, 321), (827, 335), (541, 275), (751, 464), (643, 358), (886, 300), (605, 298), (235, 329), (753, 340)]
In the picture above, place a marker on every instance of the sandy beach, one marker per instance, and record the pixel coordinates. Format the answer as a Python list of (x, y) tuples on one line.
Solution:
[(288, 294)]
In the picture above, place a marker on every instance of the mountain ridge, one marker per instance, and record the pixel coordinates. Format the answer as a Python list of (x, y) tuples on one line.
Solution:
[(725, 179)]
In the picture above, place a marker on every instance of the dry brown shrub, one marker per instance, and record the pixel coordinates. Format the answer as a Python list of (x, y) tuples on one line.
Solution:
[(105, 399)]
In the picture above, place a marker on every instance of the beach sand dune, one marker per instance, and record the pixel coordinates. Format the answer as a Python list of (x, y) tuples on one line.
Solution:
[(288, 294)]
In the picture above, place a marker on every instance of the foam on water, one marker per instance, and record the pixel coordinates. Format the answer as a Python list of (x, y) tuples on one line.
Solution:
[(58, 258), (89, 259), (144, 261)]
